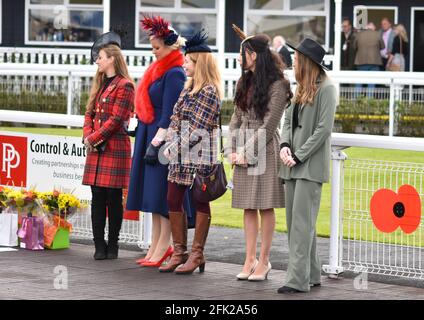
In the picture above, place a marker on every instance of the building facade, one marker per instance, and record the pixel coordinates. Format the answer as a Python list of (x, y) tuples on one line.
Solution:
[(76, 23)]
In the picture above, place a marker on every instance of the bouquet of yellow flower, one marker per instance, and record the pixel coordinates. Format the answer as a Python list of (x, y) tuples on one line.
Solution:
[(24, 201), (57, 203), (3, 198)]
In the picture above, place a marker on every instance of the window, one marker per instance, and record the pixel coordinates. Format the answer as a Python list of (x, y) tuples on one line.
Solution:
[(293, 19), (185, 16), (1, 25), (373, 14), (63, 22)]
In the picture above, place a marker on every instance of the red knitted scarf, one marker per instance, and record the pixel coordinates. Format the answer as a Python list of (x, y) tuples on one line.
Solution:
[(143, 105)]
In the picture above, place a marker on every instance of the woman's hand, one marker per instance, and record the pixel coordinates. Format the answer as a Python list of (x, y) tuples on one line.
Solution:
[(241, 160), (286, 157), (156, 142), (159, 137), (88, 146), (232, 157)]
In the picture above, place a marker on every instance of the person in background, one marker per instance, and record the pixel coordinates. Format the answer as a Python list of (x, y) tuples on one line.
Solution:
[(348, 39), (388, 35), (108, 161), (156, 95), (367, 45), (305, 153), (400, 49), (279, 45)]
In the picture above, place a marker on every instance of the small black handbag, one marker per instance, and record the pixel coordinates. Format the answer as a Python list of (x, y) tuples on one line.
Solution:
[(214, 185), (152, 154)]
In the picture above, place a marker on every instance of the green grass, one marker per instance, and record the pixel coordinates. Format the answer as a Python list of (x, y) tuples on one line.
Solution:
[(224, 215)]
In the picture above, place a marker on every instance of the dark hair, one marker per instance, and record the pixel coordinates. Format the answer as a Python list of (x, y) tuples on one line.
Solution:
[(253, 87), (347, 19)]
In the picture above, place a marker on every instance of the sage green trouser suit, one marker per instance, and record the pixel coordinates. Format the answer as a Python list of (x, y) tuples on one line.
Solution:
[(310, 142)]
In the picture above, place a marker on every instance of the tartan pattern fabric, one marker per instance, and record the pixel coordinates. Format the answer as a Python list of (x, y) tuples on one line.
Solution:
[(201, 112), (106, 124)]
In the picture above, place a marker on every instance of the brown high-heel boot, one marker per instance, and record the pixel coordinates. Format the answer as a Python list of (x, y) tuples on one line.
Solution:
[(196, 258), (178, 222)]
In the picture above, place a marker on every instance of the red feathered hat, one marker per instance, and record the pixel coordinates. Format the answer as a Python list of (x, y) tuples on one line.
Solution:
[(159, 27)]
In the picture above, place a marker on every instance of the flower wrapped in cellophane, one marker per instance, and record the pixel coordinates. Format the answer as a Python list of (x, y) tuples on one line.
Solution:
[(60, 204), (25, 202)]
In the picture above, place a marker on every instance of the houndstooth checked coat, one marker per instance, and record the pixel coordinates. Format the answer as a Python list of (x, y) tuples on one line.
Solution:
[(258, 186)]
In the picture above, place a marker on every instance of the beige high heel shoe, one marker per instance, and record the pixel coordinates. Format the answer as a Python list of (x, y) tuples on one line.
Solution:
[(245, 276), (260, 277)]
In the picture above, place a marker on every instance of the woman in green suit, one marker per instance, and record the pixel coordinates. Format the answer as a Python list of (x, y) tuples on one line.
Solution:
[(305, 152)]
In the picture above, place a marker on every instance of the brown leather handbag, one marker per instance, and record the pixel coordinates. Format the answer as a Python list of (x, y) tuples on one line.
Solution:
[(211, 187)]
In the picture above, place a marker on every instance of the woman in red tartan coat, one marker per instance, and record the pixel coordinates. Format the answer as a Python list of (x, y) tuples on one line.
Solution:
[(108, 160)]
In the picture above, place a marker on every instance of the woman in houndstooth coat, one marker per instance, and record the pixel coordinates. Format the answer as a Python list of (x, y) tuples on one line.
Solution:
[(261, 96)]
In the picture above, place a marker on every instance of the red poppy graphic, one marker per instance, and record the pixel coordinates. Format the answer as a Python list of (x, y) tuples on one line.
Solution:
[(390, 210)]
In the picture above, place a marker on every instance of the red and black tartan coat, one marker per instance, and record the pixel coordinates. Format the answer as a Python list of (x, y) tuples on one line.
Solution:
[(105, 124)]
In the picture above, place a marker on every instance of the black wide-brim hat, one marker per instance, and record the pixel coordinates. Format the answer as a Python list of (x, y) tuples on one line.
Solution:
[(105, 39), (312, 49)]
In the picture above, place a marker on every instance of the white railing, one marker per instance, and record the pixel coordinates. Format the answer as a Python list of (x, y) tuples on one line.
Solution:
[(55, 56), (361, 253), (73, 80), (355, 243)]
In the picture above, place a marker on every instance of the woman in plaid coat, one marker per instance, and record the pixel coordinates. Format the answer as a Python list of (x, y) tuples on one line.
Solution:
[(192, 130), (261, 96), (108, 159)]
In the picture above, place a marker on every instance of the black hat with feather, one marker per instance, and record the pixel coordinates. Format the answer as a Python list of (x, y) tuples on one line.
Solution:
[(197, 43), (105, 39)]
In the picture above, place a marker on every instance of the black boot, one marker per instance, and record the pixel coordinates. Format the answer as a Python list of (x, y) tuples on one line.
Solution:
[(101, 250), (112, 249), (98, 220), (115, 212)]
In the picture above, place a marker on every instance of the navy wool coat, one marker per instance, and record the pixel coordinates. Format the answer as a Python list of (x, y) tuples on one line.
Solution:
[(148, 183)]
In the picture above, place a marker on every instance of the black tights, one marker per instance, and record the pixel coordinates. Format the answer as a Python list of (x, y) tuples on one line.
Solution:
[(110, 199)]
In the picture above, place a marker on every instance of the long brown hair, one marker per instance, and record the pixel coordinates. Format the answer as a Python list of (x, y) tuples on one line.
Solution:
[(252, 91), (307, 73), (206, 72), (121, 69)]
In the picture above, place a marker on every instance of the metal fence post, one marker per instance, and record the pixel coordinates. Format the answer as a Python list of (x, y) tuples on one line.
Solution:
[(392, 109), (337, 160), (145, 230), (69, 97)]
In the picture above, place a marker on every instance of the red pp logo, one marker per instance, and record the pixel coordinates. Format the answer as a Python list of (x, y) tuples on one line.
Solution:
[(13, 155)]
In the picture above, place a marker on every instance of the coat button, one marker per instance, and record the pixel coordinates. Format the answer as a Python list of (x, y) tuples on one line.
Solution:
[(103, 110), (100, 120), (97, 110), (104, 99)]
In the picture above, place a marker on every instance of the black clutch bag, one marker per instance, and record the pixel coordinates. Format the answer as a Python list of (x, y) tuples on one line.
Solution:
[(152, 154)]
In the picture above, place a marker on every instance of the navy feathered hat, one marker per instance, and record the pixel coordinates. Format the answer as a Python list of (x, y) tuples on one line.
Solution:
[(159, 27), (197, 43), (105, 39)]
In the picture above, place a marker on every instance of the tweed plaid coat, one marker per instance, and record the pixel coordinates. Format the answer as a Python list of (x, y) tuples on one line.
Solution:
[(193, 117), (258, 186), (106, 125)]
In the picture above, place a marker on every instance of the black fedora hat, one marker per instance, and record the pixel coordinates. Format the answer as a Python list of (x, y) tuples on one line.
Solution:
[(312, 49)]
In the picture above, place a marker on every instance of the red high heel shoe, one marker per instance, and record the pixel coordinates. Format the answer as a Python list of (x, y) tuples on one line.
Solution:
[(149, 263), (141, 260)]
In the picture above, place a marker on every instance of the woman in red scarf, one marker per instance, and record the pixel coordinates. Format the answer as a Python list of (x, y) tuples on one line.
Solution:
[(156, 95)]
